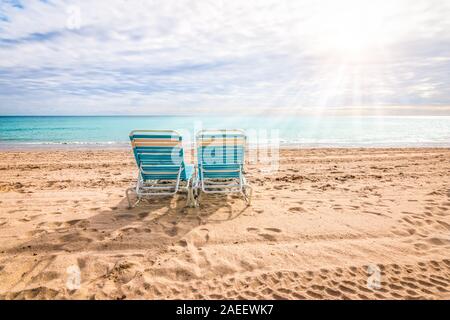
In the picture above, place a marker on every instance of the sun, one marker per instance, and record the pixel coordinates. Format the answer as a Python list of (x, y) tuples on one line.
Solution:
[(354, 29), (353, 37)]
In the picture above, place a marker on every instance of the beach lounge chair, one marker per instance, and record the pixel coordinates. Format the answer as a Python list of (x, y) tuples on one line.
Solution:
[(160, 159), (220, 163)]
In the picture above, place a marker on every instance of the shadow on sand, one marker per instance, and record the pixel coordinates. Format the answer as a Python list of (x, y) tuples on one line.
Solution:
[(153, 224)]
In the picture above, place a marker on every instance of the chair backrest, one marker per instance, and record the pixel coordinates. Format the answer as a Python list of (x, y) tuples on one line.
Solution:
[(158, 153), (221, 147)]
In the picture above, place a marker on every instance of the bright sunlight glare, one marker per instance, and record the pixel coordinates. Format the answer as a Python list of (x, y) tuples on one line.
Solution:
[(353, 29)]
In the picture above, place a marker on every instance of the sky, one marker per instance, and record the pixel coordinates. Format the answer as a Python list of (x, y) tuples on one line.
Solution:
[(208, 56)]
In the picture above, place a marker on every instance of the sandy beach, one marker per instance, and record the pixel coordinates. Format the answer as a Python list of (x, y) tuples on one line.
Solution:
[(326, 225)]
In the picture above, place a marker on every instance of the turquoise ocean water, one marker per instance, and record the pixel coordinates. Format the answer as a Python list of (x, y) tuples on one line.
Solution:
[(300, 131)]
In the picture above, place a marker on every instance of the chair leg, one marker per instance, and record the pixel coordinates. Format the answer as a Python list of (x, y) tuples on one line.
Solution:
[(196, 193), (130, 206), (191, 199), (247, 194), (188, 198), (127, 192)]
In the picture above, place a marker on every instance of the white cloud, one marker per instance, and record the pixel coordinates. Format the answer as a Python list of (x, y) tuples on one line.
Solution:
[(175, 56)]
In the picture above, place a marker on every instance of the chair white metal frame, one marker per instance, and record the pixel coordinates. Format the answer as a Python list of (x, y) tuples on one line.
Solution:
[(159, 156), (220, 164)]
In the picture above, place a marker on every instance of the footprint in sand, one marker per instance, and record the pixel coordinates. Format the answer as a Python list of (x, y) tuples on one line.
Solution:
[(408, 221), (74, 239), (297, 209), (79, 222), (56, 223), (444, 224), (125, 216), (171, 232), (438, 241), (403, 232), (314, 295), (273, 229), (373, 212), (346, 289), (37, 232), (45, 276), (143, 215), (199, 237), (130, 229), (267, 236), (421, 246)]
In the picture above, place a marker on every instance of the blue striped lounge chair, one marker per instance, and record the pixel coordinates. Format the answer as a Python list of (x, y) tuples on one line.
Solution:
[(160, 159), (220, 168)]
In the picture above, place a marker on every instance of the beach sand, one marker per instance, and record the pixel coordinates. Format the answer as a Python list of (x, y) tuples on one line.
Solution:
[(329, 224)]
